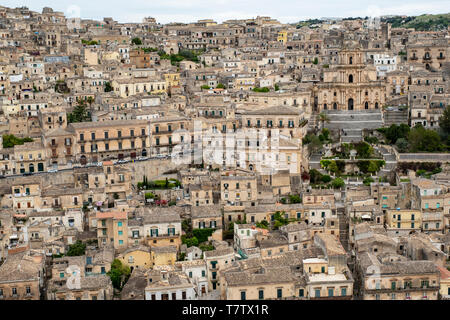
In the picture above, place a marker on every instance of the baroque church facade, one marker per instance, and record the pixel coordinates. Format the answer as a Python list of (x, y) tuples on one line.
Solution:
[(350, 84)]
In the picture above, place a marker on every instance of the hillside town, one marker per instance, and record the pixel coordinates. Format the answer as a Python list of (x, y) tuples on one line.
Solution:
[(241, 160)]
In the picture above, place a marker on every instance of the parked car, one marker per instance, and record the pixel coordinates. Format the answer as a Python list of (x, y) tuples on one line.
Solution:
[(52, 170)]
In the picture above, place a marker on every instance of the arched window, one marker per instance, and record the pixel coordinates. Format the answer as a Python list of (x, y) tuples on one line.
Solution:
[(366, 105), (31, 167), (351, 60), (350, 78), (376, 105), (335, 106)]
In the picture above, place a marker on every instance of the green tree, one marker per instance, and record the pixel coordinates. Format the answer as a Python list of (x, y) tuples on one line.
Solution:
[(189, 242), (315, 176), (279, 220), (203, 234), (108, 87), (263, 224), (421, 139), (333, 167), (136, 41), (220, 86), (402, 144), (364, 150), (395, 132), (277, 87), (337, 183), (76, 249), (444, 121), (368, 180), (79, 113), (119, 274), (372, 167), (326, 178), (315, 144)]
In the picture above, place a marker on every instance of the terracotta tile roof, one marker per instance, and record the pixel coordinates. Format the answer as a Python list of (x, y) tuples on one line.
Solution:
[(111, 214)]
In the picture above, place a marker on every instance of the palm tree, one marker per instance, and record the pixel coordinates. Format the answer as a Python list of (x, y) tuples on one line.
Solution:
[(323, 118)]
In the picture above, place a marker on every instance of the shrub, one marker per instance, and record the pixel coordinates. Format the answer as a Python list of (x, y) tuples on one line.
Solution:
[(326, 178), (295, 199), (368, 180), (337, 183), (189, 242), (263, 224), (76, 249), (149, 195), (263, 89), (10, 140)]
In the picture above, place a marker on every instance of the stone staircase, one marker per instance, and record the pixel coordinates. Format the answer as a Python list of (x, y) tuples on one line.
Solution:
[(314, 161), (389, 158), (351, 135), (395, 117), (351, 124), (343, 230)]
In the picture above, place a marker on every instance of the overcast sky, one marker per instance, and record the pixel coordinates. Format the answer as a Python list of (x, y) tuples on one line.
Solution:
[(191, 10)]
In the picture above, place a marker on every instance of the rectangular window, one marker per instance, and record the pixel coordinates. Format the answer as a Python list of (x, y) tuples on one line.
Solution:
[(317, 293), (119, 224), (301, 293), (261, 294), (120, 242), (279, 293), (243, 295), (343, 291), (330, 292)]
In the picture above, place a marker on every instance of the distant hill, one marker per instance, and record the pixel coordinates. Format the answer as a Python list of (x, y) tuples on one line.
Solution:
[(425, 22)]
